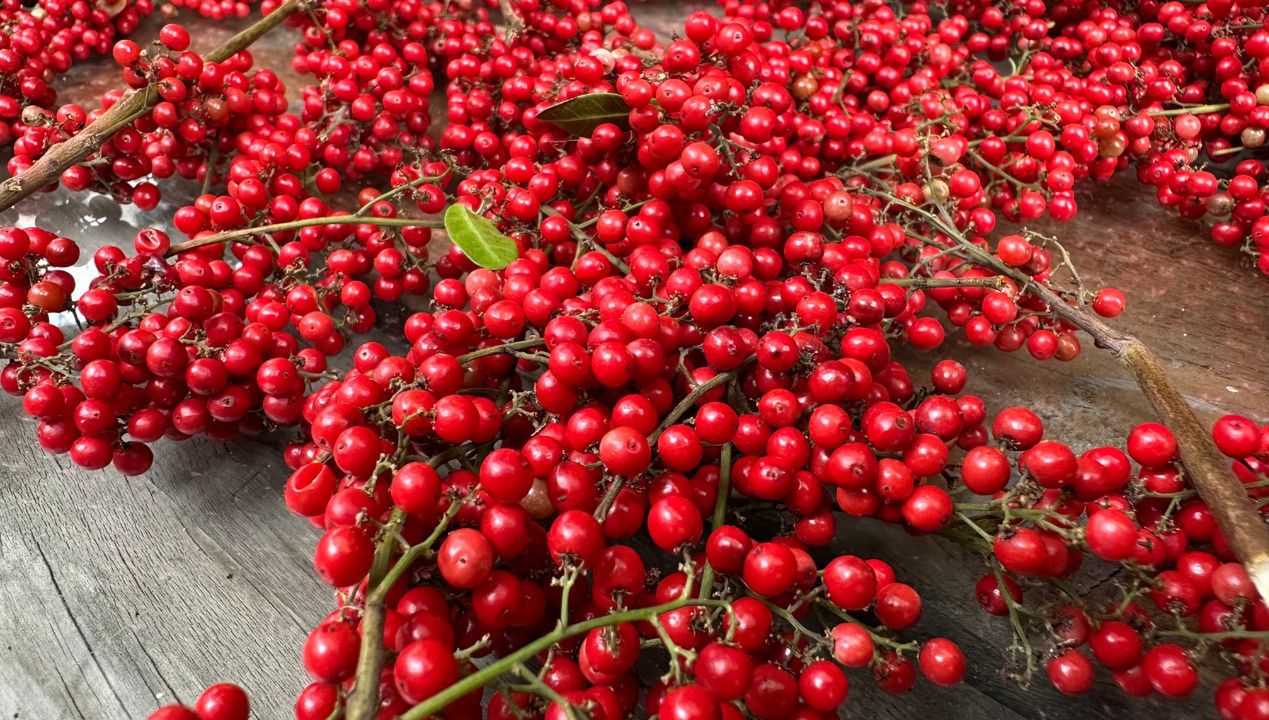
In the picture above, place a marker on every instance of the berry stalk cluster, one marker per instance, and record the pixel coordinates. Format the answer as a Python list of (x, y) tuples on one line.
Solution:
[(605, 459)]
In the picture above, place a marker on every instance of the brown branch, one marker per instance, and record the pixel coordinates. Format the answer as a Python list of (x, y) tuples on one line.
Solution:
[(133, 104), (926, 283), (515, 23), (1209, 471)]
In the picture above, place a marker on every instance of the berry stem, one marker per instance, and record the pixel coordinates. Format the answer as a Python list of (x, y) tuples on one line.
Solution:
[(389, 194), (720, 511), (49, 168), (500, 349), (229, 235), (1192, 110), (877, 637), (924, 283), (610, 495), (1210, 471), (506, 664), (364, 697)]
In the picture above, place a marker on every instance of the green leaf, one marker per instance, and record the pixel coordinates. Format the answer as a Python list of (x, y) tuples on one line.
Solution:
[(478, 238), (582, 114)]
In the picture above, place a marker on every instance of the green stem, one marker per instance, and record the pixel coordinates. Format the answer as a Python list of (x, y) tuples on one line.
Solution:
[(787, 616), (584, 241), (415, 552), (610, 495), (687, 402), (720, 512), (506, 664), (500, 349), (422, 179), (1192, 110), (877, 638)]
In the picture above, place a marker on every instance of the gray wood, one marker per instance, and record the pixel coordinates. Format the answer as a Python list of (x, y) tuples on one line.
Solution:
[(123, 594)]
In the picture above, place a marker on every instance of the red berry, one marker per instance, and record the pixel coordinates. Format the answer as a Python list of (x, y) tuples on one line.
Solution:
[(942, 662), (223, 702), (1071, 673), (424, 668)]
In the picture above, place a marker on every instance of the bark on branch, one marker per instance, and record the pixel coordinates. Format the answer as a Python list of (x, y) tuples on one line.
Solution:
[(133, 104)]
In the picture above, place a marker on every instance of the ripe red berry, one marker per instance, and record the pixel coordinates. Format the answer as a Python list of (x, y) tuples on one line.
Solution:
[(1071, 673), (770, 569), (1170, 671), (223, 702), (465, 558), (942, 662), (424, 668)]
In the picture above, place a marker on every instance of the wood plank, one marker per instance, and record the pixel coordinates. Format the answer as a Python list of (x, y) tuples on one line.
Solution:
[(130, 593), (123, 594)]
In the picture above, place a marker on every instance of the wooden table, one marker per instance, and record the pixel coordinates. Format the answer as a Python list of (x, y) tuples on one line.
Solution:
[(121, 594)]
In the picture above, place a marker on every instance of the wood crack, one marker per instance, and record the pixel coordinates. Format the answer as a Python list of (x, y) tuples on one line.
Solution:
[(79, 630)]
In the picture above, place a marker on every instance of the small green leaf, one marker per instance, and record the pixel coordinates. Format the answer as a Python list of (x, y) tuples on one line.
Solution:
[(582, 114), (478, 238)]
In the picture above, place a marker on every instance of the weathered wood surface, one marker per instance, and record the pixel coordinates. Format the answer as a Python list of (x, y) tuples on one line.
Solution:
[(119, 595)]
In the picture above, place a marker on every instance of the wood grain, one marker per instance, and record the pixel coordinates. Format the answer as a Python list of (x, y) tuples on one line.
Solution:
[(123, 594)]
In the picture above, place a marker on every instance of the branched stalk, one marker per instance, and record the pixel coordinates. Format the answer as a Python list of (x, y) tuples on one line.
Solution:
[(364, 698), (405, 187), (500, 349), (363, 701), (506, 664), (610, 495), (877, 638), (1208, 469), (134, 103)]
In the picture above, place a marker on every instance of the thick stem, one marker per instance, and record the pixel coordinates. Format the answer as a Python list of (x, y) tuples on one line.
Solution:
[(363, 701), (1191, 110), (1209, 470), (133, 104), (720, 512)]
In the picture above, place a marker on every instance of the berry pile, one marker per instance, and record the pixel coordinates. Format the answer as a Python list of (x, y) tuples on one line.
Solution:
[(630, 405), (41, 42), (202, 108)]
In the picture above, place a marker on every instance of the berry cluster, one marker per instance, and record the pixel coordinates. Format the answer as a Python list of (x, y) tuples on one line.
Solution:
[(663, 359), (203, 109), (41, 42)]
